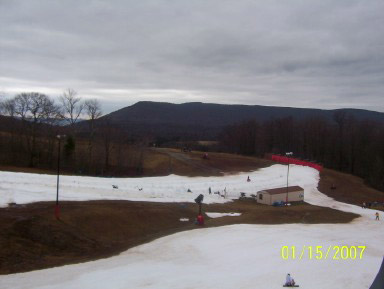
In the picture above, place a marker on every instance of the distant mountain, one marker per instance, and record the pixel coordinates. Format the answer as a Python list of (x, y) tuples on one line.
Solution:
[(198, 120)]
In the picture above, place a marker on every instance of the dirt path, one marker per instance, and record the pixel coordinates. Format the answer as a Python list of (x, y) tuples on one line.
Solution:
[(198, 165), (218, 164)]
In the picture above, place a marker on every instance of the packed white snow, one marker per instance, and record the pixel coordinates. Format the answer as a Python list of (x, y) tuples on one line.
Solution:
[(238, 256), (218, 215), (22, 188)]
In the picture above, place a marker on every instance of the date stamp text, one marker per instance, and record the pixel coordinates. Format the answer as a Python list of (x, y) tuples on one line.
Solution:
[(322, 252)]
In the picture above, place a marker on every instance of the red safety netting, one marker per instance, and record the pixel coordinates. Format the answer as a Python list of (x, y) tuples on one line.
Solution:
[(286, 160)]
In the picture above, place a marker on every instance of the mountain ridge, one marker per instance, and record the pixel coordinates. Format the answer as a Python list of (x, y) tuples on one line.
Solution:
[(208, 119)]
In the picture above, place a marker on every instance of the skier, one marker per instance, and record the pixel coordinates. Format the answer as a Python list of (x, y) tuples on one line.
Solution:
[(377, 216), (289, 281), (209, 190), (248, 179)]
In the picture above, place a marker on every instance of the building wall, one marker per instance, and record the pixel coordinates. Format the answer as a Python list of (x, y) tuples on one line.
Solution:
[(266, 198), (292, 197), (296, 196), (270, 199)]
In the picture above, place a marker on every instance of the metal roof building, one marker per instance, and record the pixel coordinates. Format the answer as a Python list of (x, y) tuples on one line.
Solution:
[(271, 196)]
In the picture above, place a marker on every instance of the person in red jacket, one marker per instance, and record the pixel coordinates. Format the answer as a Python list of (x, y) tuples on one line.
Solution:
[(200, 220)]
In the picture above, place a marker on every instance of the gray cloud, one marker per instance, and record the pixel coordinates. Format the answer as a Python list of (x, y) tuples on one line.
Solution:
[(325, 54)]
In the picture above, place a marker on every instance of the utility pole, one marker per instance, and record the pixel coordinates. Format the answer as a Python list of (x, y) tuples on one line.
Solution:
[(57, 208), (288, 155)]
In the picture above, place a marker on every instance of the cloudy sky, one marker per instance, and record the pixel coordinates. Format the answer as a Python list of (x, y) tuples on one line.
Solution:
[(318, 53)]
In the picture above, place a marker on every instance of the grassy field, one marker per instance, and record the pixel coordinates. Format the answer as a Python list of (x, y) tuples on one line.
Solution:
[(162, 162), (348, 189), (31, 238)]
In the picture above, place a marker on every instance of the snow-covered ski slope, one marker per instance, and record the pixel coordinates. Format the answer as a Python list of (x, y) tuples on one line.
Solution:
[(238, 256), (25, 188)]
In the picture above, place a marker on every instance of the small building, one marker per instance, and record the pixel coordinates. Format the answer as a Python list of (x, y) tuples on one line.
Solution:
[(271, 196)]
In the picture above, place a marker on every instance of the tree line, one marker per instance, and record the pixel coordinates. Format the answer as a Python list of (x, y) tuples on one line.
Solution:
[(31, 122), (343, 143)]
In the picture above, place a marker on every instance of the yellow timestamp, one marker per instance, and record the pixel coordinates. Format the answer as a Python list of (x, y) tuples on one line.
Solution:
[(323, 252)]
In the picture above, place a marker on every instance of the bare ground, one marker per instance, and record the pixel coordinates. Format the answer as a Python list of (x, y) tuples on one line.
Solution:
[(193, 164), (31, 238), (348, 189), (163, 161)]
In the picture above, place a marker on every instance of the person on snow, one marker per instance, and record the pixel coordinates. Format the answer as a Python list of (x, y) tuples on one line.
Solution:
[(377, 216), (289, 280), (200, 220), (248, 179)]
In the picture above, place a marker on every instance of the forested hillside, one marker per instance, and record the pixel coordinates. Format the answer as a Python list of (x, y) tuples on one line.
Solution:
[(196, 120), (342, 143)]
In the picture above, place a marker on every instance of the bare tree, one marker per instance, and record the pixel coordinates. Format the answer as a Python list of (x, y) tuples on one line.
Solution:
[(22, 104), (1, 104), (34, 109), (41, 108), (8, 107), (71, 106), (93, 111), (107, 133), (340, 117)]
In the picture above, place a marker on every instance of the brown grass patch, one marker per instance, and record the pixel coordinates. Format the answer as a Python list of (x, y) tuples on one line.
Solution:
[(348, 189), (31, 238)]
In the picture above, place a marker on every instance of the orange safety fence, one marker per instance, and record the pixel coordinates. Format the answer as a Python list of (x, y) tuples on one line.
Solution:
[(286, 160)]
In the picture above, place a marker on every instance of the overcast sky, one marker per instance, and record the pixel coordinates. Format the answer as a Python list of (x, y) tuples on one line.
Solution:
[(300, 53)]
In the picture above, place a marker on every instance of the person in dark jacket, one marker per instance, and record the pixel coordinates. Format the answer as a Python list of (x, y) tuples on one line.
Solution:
[(289, 281)]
